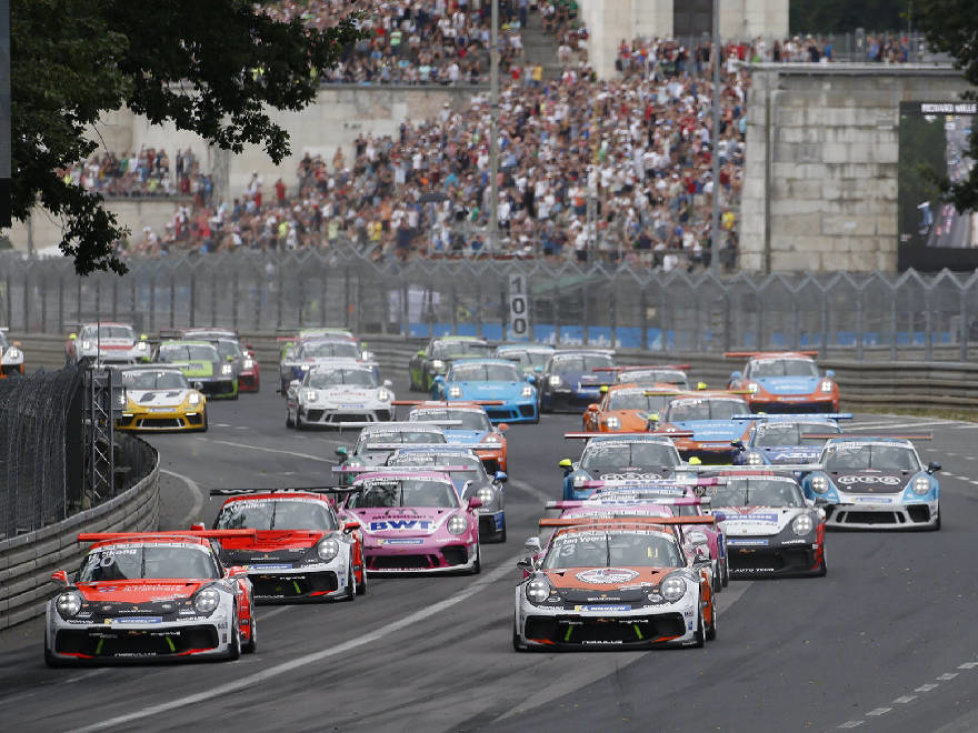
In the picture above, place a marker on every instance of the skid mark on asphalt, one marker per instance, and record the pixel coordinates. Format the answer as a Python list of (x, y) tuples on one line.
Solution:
[(253, 680)]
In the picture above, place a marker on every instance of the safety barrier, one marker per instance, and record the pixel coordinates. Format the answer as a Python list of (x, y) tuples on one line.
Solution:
[(27, 560)]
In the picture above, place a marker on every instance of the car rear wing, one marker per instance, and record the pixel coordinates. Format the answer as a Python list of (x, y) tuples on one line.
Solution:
[(794, 416), (399, 468), (273, 490), (565, 504), (210, 534), (696, 393), (751, 354), (656, 433), (652, 484), (636, 367), (170, 333), (398, 446), (577, 522), (774, 467), (843, 436), (444, 403)]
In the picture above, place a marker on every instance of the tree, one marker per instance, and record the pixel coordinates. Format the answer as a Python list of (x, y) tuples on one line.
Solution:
[(210, 66), (952, 27)]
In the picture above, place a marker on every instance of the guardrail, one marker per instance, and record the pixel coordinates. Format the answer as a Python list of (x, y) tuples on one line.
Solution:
[(27, 561), (876, 381)]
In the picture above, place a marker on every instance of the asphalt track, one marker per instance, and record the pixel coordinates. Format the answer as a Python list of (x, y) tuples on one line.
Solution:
[(888, 641)]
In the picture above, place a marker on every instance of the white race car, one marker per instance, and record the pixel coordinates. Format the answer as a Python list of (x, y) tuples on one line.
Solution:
[(333, 393), (11, 356), (159, 397), (107, 343)]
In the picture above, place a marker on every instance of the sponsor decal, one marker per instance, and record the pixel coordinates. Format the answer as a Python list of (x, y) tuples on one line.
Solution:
[(603, 607), (872, 500), (401, 542), (269, 566), (629, 476), (766, 518), (864, 478), (401, 525), (746, 542), (607, 576), (124, 621)]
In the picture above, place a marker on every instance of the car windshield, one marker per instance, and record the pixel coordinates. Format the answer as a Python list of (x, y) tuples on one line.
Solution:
[(579, 362), (228, 348), (783, 368), (608, 458), (154, 379), (459, 349), (526, 358), (187, 352), (276, 514), (381, 493), (717, 409), (148, 561), (648, 377), (638, 400), (329, 350), (449, 458), (777, 434), (847, 457), (403, 436), (613, 549), (484, 373), (470, 419), (326, 378), (107, 332), (757, 492)]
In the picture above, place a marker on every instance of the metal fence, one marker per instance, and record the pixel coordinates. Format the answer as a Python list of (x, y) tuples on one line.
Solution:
[(859, 315)]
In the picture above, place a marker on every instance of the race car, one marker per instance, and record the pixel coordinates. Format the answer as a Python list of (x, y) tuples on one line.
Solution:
[(378, 441), (333, 393), (11, 357), (770, 529), (626, 583), (228, 343), (651, 376), (871, 482), (784, 381), (626, 407), (139, 596), (439, 354), (159, 398), (569, 383), (470, 478), (634, 457), (780, 439), (467, 424), (493, 381), (299, 552), (710, 417), (202, 365), (107, 343), (414, 522), (531, 357), (309, 353)]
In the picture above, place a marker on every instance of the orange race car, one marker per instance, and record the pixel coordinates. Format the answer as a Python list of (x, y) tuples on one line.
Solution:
[(465, 423), (627, 407), (784, 381)]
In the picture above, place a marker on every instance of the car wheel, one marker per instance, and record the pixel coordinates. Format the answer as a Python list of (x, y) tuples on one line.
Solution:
[(351, 583), (251, 646), (725, 572), (234, 652), (518, 646), (477, 565), (362, 585), (289, 422), (50, 659), (203, 427), (823, 569), (699, 638), (716, 581), (502, 533), (711, 631), (937, 524)]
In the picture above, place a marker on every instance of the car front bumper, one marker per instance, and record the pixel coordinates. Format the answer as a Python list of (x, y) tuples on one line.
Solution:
[(864, 514)]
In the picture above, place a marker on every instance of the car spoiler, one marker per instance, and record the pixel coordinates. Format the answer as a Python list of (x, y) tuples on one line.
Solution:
[(792, 416), (751, 354), (211, 534), (273, 490), (652, 484), (657, 433), (636, 367), (577, 522), (171, 333), (564, 504), (375, 469), (843, 436), (696, 393), (398, 446), (774, 467), (444, 403)]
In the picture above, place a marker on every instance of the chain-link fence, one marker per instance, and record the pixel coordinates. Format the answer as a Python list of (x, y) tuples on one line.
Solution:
[(855, 314)]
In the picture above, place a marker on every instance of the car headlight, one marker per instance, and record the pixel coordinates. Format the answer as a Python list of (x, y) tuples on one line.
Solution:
[(826, 385), (754, 459), (454, 391), (121, 400), (141, 346), (527, 391), (304, 367), (487, 496), (613, 423), (579, 480), (226, 369), (69, 603), (86, 345), (458, 524), (820, 484), (249, 363), (206, 600), (753, 387), (555, 380), (921, 485), (491, 440), (194, 398), (673, 588), (384, 395), (310, 395), (327, 549), (12, 353), (538, 590), (802, 525), (437, 365)]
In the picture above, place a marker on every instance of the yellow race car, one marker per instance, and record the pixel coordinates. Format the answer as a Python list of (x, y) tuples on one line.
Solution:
[(157, 397)]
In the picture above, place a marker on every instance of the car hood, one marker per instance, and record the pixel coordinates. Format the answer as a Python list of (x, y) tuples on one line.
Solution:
[(489, 390), (157, 397), (194, 368), (140, 591), (273, 540), (402, 521), (346, 394), (871, 481), (604, 581), (465, 436), (792, 453), (630, 473), (584, 379), (754, 520), (789, 385)]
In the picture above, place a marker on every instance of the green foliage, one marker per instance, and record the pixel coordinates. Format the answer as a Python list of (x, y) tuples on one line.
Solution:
[(845, 16), (192, 62), (952, 27), (922, 146)]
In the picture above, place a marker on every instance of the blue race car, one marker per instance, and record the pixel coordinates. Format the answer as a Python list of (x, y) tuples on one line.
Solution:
[(470, 479), (785, 381), (620, 458), (868, 482), (531, 357), (711, 417), (569, 382), (780, 439), (466, 424), (490, 381)]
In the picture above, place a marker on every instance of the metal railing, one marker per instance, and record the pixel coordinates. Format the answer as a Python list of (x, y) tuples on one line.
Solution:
[(851, 315)]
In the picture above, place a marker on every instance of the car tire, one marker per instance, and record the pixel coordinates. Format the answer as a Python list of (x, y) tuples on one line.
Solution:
[(477, 565), (234, 652), (203, 427), (289, 422), (699, 636), (351, 584), (725, 572), (823, 569), (711, 630), (50, 659), (362, 585), (716, 579), (251, 646), (502, 533), (937, 524), (518, 646)]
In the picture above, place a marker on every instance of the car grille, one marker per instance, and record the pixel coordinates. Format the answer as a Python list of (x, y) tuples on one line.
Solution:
[(292, 586), (790, 559), (577, 630), (115, 642), (402, 562), (847, 517), (919, 513), (455, 554)]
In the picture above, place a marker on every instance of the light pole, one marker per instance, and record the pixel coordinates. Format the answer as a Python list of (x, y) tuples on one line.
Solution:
[(717, 60)]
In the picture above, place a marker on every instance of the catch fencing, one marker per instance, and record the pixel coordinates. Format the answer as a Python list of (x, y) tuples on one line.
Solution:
[(859, 316)]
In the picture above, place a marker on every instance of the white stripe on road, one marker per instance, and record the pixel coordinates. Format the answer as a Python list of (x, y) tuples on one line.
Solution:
[(248, 446), (531, 490), (257, 678), (197, 492)]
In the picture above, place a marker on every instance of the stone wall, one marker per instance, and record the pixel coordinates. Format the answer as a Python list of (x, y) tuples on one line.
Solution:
[(820, 190)]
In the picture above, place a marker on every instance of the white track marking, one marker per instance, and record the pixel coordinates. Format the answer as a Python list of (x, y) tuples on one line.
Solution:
[(879, 711), (246, 446), (904, 699), (197, 492), (968, 665), (264, 616), (851, 724), (257, 678), (926, 688), (947, 676), (529, 489)]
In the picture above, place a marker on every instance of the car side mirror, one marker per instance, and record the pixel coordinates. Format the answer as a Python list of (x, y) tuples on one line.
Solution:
[(349, 527), (237, 571), (566, 464), (501, 477), (294, 384), (701, 552), (738, 444), (197, 527), (531, 379), (388, 384), (341, 452), (533, 545), (475, 502), (538, 368), (593, 407), (735, 375), (829, 373), (933, 467), (366, 355), (526, 565), (72, 336), (502, 427), (199, 386), (60, 577)]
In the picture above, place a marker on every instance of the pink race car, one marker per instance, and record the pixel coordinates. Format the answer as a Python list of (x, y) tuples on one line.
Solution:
[(414, 522)]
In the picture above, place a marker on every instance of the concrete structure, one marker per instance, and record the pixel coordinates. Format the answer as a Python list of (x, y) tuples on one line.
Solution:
[(820, 189), (611, 21)]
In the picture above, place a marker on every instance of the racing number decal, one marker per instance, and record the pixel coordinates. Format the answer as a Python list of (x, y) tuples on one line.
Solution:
[(519, 323)]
